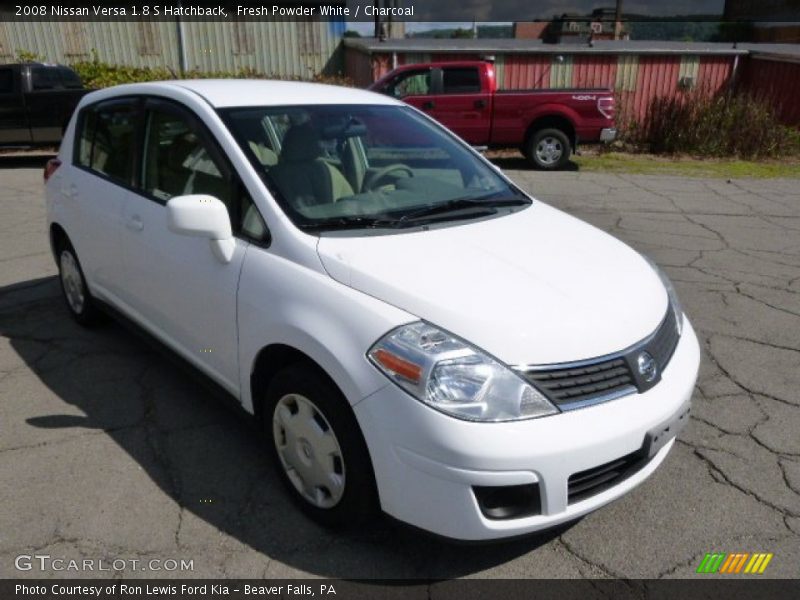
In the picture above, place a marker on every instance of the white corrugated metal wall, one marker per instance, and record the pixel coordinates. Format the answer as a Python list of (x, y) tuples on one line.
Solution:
[(297, 49)]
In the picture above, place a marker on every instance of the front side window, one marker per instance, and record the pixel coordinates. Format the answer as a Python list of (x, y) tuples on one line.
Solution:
[(362, 166), (178, 161), (106, 139), (412, 83)]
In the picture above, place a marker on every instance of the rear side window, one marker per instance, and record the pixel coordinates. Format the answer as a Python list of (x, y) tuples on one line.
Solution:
[(44, 78), (6, 81), (461, 80), (105, 139)]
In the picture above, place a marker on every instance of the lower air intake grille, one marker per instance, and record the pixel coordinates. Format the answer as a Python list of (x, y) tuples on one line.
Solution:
[(592, 481)]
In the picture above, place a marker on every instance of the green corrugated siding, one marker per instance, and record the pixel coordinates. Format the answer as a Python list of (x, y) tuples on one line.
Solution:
[(627, 72), (300, 49), (561, 72), (690, 66), (500, 71)]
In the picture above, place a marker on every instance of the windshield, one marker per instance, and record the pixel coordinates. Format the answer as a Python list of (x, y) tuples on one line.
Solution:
[(361, 166)]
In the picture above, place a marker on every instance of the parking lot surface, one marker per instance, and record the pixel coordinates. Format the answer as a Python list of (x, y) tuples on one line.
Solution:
[(108, 451)]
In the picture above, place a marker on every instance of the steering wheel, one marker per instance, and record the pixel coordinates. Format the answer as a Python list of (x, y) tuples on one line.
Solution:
[(379, 176)]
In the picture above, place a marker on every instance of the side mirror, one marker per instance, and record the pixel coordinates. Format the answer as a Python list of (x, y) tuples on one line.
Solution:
[(201, 215)]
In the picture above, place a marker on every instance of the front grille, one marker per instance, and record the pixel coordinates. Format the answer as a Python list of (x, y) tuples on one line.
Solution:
[(663, 343), (565, 386), (576, 385), (590, 482)]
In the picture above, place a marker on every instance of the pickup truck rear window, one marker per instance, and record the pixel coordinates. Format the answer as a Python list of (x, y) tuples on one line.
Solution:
[(461, 80)]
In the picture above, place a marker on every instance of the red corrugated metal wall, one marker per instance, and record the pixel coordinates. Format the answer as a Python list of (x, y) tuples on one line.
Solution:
[(521, 71), (779, 81), (594, 71), (657, 76), (381, 65), (715, 73)]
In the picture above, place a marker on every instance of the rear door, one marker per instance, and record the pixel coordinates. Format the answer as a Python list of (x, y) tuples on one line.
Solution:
[(14, 127), (175, 285), (463, 106), (96, 188)]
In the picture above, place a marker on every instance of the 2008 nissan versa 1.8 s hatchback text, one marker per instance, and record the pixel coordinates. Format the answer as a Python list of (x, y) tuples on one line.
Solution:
[(414, 332)]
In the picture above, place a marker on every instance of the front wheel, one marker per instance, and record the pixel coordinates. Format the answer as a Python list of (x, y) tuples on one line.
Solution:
[(549, 149), (318, 448)]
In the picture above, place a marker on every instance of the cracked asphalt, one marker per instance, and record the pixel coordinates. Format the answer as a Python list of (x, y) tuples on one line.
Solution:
[(108, 451)]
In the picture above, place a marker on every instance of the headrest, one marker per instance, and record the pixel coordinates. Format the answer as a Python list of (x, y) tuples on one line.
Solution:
[(301, 143)]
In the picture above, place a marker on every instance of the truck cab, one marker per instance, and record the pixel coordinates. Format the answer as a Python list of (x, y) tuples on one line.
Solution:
[(545, 124), (36, 103)]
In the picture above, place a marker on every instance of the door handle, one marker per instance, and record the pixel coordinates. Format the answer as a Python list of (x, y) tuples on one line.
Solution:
[(480, 103), (135, 223), (69, 191), (428, 105)]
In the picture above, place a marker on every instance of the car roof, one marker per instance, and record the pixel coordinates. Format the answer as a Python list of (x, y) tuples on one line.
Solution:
[(226, 93)]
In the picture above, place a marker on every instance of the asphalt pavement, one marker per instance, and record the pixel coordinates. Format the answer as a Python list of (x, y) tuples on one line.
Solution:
[(109, 451)]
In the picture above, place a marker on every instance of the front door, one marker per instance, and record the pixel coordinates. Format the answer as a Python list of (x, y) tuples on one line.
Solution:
[(175, 285)]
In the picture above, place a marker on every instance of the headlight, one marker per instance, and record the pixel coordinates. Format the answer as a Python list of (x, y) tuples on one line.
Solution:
[(674, 302), (458, 379)]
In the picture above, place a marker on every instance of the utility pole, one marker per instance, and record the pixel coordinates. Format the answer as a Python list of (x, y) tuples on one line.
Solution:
[(183, 63), (618, 21)]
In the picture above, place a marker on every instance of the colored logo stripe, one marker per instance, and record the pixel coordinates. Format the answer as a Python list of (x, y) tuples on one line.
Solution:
[(720, 562), (758, 563), (711, 563)]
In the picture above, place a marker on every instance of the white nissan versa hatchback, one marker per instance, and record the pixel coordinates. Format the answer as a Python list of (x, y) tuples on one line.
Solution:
[(414, 332)]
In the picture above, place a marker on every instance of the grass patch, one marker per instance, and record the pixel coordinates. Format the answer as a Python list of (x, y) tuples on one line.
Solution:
[(648, 164)]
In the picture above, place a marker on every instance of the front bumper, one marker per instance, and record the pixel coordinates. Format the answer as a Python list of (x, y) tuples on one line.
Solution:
[(427, 463), (608, 134)]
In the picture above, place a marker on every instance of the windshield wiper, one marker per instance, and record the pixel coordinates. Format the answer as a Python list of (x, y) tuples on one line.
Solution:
[(348, 222), (460, 204)]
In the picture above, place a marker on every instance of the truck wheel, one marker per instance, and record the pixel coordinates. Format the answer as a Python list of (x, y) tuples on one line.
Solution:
[(549, 149), (80, 303), (318, 449)]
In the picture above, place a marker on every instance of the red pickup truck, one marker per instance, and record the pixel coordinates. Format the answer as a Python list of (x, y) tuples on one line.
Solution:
[(546, 125)]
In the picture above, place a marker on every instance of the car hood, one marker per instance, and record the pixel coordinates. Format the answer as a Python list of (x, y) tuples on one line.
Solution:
[(534, 287)]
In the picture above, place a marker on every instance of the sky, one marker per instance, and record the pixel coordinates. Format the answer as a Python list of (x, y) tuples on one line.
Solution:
[(440, 11)]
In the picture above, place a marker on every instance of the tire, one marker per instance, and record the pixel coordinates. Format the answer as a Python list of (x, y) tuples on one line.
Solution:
[(79, 300), (317, 448), (549, 149)]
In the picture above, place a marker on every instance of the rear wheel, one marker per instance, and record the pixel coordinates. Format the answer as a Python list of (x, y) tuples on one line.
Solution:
[(318, 448), (549, 149), (80, 302)]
